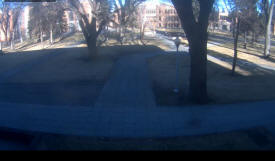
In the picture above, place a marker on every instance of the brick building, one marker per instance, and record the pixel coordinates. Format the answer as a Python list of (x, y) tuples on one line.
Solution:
[(159, 15)]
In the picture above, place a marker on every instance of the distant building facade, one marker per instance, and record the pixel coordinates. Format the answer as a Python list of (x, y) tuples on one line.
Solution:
[(24, 18), (223, 21), (158, 15)]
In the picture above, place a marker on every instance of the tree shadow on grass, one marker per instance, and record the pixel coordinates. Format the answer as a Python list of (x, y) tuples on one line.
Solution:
[(223, 88), (257, 85), (242, 63), (40, 80), (251, 50)]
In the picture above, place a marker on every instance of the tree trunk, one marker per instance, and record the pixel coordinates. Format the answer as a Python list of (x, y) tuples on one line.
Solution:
[(253, 38), (197, 35), (51, 35), (236, 39), (21, 37), (12, 41), (142, 29), (121, 35), (245, 40), (268, 30), (41, 37), (92, 46), (198, 71), (1, 52), (12, 45), (233, 32)]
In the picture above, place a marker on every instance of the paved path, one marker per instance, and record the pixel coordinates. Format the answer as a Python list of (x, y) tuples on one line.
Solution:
[(129, 85), (119, 122), (170, 43)]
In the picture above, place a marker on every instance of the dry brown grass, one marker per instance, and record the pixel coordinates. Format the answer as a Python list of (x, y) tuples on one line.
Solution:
[(72, 64), (33, 45), (227, 34), (63, 76), (250, 84)]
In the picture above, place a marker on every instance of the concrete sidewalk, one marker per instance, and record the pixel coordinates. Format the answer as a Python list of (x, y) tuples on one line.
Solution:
[(125, 122), (129, 84)]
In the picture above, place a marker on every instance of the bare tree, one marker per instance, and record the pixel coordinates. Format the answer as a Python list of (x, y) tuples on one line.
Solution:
[(10, 14), (4, 21), (195, 27), (142, 25), (241, 13), (55, 18), (16, 11), (214, 16), (38, 23), (126, 12), (93, 22), (47, 18)]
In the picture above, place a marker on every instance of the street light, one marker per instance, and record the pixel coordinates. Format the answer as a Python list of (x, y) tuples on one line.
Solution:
[(177, 43)]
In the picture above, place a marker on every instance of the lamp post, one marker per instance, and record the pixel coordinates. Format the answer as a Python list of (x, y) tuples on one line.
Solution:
[(177, 43)]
